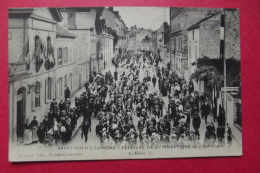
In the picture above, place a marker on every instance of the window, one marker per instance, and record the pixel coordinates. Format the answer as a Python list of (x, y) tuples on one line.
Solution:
[(237, 116), (37, 94), (49, 47), (196, 51), (49, 88), (60, 56), (189, 51), (71, 55), (71, 20), (60, 86), (65, 81), (174, 41), (180, 44), (66, 55), (37, 43), (37, 52), (63, 55), (70, 80)]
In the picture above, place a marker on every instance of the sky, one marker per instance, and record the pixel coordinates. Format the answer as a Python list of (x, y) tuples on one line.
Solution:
[(144, 17)]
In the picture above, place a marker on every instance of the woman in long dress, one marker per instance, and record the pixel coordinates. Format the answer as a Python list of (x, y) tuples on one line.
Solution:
[(27, 135), (34, 126)]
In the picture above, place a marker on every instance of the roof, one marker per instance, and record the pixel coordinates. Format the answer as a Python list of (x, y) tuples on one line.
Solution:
[(196, 25), (54, 11), (63, 32)]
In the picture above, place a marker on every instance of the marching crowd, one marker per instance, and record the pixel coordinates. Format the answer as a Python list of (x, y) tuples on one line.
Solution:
[(118, 99)]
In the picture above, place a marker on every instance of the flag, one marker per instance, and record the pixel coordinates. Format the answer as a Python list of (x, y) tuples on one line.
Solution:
[(26, 48), (222, 35)]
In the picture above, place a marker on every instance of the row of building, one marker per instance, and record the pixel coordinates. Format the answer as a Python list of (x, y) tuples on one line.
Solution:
[(193, 34), (54, 48)]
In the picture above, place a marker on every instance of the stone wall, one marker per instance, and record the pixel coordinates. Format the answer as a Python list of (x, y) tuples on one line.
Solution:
[(232, 34), (81, 55), (209, 38), (81, 45)]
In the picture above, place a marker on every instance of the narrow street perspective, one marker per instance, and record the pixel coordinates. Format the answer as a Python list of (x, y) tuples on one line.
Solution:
[(112, 76)]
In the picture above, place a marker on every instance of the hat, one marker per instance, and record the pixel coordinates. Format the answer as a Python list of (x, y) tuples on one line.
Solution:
[(192, 131)]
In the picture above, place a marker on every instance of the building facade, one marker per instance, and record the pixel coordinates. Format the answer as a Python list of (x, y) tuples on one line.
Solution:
[(65, 61), (180, 20), (32, 65), (163, 41), (118, 29)]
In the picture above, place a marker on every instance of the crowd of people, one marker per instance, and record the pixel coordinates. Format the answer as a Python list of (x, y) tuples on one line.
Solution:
[(129, 112)]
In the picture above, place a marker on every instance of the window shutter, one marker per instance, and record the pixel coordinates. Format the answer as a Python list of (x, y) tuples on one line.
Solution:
[(71, 55), (52, 89), (58, 57), (40, 93), (46, 90), (33, 100)]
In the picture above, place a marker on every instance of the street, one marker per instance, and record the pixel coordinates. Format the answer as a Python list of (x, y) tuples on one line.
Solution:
[(94, 140)]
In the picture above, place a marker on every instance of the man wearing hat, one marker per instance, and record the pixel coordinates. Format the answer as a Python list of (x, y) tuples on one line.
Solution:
[(99, 128), (61, 105), (67, 92), (46, 123), (53, 104), (67, 105), (144, 114), (85, 129), (196, 121), (157, 111)]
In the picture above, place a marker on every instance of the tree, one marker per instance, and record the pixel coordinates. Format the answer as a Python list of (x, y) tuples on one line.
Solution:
[(211, 70), (115, 35)]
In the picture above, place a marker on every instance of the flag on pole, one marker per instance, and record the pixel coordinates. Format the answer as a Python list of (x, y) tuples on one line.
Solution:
[(222, 35), (26, 49)]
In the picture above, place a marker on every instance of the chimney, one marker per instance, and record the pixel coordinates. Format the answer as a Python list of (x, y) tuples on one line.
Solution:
[(111, 8)]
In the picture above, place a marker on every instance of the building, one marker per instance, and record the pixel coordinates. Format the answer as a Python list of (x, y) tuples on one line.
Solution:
[(234, 112), (137, 36), (105, 44), (145, 43), (153, 43), (180, 20), (163, 41), (65, 61), (131, 42), (204, 41), (83, 22), (118, 29), (32, 65)]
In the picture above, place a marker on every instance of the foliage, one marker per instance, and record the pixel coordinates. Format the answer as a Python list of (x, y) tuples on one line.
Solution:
[(115, 35), (212, 70)]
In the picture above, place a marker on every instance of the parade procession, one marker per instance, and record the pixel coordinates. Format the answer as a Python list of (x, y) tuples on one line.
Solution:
[(81, 76)]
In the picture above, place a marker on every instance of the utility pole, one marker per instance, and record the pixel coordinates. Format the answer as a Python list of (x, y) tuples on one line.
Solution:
[(222, 54)]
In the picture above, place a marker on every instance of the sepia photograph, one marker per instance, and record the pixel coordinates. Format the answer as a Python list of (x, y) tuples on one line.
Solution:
[(109, 83)]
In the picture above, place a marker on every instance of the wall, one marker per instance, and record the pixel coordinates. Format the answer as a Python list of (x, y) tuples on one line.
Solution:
[(81, 45), (111, 20), (232, 34), (210, 38), (66, 68), (85, 20), (15, 39)]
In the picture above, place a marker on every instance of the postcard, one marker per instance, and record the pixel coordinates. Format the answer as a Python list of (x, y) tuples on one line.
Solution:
[(102, 83)]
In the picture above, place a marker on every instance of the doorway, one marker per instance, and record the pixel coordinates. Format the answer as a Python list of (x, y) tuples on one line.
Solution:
[(21, 109)]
